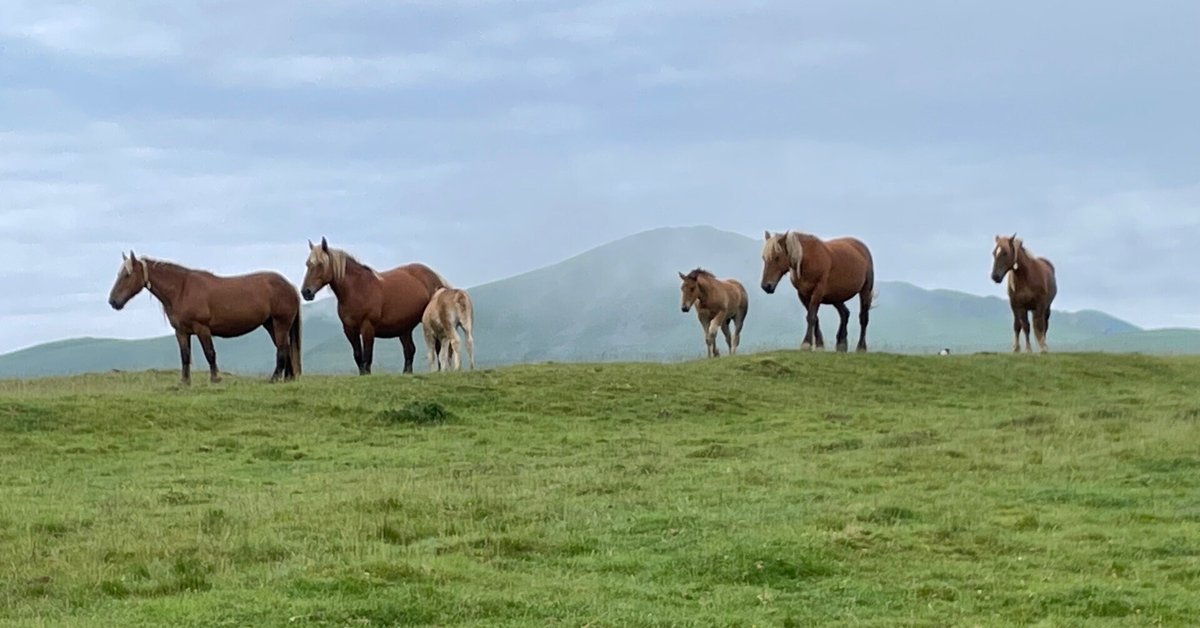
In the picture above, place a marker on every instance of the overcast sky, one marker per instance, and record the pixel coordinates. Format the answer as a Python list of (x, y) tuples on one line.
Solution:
[(492, 137)]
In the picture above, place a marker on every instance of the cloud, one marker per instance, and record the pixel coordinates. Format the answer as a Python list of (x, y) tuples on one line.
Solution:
[(88, 30)]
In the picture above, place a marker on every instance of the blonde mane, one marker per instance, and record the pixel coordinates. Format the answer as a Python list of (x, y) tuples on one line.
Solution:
[(787, 243), (336, 260)]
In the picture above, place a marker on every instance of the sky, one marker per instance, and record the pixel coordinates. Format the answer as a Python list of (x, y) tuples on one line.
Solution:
[(491, 137)]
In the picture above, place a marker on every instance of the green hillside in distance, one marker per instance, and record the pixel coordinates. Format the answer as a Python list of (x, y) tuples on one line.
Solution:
[(620, 302)]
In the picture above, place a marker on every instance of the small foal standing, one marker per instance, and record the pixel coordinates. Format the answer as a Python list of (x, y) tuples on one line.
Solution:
[(200, 303), (717, 301), (449, 309), (1032, 286)]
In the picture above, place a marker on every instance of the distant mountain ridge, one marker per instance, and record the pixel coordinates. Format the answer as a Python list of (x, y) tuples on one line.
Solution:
[(620, 301)]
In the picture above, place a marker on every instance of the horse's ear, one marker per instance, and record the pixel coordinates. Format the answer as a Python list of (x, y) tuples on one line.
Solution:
[(124, 256), (324, 244), (682, 276), (766, 235), (311, 246), (1013, 238), (132, 257)]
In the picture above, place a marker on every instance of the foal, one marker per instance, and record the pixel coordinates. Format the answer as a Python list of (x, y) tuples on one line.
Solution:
[(717, 301), (448, 309), (1032, 286)]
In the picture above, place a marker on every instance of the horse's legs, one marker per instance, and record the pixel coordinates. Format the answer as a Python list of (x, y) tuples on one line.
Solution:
[(431, 347), (280, 339), (185, 357), (704, 321), (410, 350), (843, 333), (737, 330), (728, 338), (210, 353), (368, 347), (711, 333), (812, 336), (470, 340), (356, 345), (864, 317), (1040, 323), (455, 355)]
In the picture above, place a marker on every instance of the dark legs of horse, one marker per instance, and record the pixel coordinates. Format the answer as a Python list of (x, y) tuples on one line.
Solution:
[(185, 357), (812, 334), (1041, 321), (210, 354), (410, 350), (864, 317), (283, 364), (843, 332), (356, 345), (1021, 324), (368, 349)]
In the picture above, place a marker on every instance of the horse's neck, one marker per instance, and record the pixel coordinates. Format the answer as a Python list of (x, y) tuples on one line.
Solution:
[(166, 283), (353, 282), (706, 285), (1023, 273)]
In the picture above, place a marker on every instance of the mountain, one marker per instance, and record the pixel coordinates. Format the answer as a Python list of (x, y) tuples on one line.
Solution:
[(620, 301)]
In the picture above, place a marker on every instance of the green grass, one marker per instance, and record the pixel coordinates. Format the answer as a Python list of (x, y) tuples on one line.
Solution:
[(774, 490)]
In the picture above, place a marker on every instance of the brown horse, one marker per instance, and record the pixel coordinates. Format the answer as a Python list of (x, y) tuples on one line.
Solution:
[(200, 303), (449, 310), (823, 272), (718, 302), (1032, 286), (372, 304)]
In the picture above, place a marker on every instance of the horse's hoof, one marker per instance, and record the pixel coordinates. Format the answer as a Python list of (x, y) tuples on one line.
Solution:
[(215, 380), (861, 349), (843, 347), (805, 346)]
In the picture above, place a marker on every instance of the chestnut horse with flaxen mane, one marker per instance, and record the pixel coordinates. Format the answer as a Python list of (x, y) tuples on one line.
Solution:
[(200, 303), (1032, 286), (718, 302), (372, 304), (823, 272)]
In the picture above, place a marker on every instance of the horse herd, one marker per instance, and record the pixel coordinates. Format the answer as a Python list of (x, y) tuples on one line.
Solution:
[(389, 304)]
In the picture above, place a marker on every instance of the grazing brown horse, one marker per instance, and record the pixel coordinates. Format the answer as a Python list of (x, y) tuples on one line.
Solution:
[(823, 272), (372, 304), (718, 302), (1032, 286), (449, 310), (200, 303)]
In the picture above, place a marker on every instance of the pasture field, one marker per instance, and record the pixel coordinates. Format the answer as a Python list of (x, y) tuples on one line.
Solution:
[(778, 489)]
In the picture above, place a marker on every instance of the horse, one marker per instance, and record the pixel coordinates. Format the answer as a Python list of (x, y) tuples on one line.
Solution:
[(371, 304), (1032, 286), (718, 302), (823, 272), (197, 302), (448, 309)]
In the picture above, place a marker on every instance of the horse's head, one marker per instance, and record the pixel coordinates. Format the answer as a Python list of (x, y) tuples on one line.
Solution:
[(1004, 256), (781, 254), (131, 278), (690, 291), (320, 270)]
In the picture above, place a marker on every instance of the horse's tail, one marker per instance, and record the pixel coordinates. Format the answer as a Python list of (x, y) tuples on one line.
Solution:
[(294, 345)]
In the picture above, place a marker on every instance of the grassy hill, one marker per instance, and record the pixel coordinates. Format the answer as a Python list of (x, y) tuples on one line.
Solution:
[(621, 302), (780, 489)]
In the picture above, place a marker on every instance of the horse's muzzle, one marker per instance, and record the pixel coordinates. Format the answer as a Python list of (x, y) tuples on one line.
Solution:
[(996, 277), (307, 294), (768, 287), (115, 305), (684, 309)]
